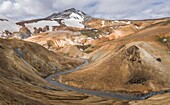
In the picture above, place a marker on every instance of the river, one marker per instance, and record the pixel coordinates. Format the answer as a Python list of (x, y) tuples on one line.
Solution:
[(123, 96)]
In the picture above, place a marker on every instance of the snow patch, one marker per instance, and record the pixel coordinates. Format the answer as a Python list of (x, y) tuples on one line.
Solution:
[(103, 23), (81, 13), (75, 20), (81, 49), (116, 21), (124, 22), (129, 22), (136, 27), (95, 30), (8, 24)]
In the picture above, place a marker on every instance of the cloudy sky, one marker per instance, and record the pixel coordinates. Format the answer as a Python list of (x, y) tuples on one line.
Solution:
[(109, 9)]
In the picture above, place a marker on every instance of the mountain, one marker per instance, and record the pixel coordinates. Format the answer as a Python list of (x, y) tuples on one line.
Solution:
[(70, 17), (78, 20), (66, 15)]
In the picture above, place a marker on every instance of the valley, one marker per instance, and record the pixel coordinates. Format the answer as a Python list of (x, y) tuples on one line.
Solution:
[(71, 58)]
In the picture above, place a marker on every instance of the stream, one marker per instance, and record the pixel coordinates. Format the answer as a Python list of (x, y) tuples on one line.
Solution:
[(123, 96)]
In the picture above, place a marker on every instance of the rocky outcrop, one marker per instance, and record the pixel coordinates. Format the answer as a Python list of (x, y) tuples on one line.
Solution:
[(24, 33)]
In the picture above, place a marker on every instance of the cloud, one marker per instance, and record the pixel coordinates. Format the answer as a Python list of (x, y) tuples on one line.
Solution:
[(110, 9)]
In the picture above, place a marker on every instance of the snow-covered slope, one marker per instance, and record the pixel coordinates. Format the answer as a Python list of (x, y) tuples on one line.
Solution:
[(75, 20), (8, 24)]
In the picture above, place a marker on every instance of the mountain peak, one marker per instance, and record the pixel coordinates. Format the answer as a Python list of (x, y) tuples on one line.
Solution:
[(71, 10), (66, 13)]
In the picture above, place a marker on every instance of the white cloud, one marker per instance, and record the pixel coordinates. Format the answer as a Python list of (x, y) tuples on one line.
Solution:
[(112, 9)]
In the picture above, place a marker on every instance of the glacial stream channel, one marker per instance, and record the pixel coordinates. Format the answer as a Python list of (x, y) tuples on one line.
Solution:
[(123, 96)]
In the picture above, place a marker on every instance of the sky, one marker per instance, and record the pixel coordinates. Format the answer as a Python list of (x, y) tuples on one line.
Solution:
[(107, 9)]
